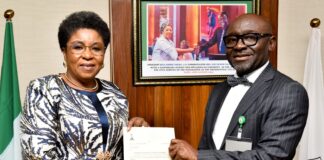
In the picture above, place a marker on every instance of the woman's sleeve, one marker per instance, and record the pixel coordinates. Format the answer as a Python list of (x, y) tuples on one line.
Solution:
[(171, 51), (39, 123)]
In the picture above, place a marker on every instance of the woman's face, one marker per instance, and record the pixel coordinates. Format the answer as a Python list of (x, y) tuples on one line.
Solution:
[(167, 32), (84, 55)]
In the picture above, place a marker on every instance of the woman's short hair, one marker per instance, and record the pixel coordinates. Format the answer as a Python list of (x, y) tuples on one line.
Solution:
[(163, 25), (79, 20)]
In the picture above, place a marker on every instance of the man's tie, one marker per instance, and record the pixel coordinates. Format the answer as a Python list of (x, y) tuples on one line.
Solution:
[(233, 81)]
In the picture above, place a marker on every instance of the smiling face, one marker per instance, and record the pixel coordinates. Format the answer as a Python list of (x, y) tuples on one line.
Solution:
[(84, 66), (167, 32), (245, 59)]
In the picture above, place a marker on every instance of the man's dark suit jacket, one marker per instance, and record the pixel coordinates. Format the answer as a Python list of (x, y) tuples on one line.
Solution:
[(276, 109), (217, 38)]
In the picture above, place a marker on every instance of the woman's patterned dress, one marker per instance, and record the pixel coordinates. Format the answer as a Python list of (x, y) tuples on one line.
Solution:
[(58, 122)]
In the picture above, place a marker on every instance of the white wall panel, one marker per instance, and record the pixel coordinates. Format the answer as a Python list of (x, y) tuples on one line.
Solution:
[(294, 33)]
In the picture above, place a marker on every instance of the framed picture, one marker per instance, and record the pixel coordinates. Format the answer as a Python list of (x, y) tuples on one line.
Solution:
[(180, 42)]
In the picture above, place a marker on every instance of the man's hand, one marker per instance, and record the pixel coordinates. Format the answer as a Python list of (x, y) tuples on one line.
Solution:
[(181, 150)]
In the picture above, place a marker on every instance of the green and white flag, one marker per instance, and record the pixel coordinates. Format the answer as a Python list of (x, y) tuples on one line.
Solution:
[(10, 105)]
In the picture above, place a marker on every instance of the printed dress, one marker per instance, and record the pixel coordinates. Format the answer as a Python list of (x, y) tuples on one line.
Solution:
[(164, 50), (59, 122)]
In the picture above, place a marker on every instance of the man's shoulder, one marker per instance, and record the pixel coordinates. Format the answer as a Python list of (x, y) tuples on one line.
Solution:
[(283, 78), (283, 81), (277, 76)]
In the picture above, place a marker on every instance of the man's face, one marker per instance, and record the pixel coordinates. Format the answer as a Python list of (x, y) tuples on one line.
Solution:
[(245, 59)]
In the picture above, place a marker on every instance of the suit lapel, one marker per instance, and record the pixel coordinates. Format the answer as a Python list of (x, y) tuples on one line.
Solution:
[(216, 106), (258, 87)]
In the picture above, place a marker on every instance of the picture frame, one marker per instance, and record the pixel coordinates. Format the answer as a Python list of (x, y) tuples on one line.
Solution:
[(180, 42)]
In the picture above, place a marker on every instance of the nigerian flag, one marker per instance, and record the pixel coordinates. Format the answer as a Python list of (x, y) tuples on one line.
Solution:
[(10, 105)]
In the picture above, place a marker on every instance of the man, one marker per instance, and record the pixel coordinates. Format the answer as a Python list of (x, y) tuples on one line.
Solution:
[(211, 21), (268, 113), (217, 35)]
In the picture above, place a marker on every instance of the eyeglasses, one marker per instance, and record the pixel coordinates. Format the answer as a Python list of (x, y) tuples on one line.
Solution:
[(249, 39), (78, 48)]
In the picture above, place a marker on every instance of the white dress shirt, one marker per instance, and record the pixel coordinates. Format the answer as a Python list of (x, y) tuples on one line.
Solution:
[(229, 106)]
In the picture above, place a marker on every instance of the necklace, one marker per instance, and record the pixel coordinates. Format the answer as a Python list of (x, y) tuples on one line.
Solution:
[(91, 89)]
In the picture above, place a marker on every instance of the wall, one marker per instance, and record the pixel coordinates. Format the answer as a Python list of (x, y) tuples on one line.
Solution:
[(35, 26), (294, 33)]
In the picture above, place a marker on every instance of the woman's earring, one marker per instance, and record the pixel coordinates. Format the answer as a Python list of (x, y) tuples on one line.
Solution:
[(103, 65), (64, 65)]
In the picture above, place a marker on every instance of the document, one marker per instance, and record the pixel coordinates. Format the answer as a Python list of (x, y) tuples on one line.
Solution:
[(147, 143)]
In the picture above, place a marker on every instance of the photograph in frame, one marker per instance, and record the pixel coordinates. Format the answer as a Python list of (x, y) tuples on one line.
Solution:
[(180, 42)]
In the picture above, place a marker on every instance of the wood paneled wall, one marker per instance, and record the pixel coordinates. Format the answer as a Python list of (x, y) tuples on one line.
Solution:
[(181, 107)]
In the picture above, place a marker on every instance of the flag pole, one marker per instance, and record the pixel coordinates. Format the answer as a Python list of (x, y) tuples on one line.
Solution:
[(10, 104), (8, 14)]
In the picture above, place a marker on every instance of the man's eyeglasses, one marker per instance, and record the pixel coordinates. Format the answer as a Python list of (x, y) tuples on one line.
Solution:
[(249, 39), (79, 48)]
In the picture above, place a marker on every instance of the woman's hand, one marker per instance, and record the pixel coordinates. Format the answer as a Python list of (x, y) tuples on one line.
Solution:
[(137, 122)]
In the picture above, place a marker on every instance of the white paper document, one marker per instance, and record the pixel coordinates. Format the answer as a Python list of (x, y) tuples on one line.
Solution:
[(147, 143)]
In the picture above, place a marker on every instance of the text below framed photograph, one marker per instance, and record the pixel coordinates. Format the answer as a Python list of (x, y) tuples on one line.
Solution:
[(181, 42)]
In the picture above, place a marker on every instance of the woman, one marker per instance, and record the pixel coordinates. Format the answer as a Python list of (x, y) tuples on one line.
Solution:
[(74, 115), (164, 48)]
